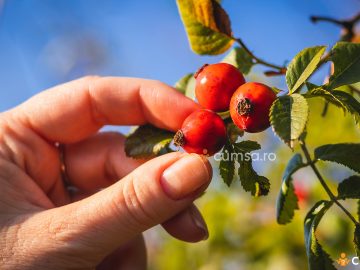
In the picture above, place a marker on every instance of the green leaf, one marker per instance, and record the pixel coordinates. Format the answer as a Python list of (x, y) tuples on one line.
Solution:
[(346, 59), (302, 66), (310, 86), (288, 117), (247, 146), (233, 131), (227, 164), (148, 141), (287, 201), (315, 91), (207, 26), (349, 188), (182, 84), (251, 182), (338, 98), (357, 240), (346, 154), (190, 88), (317, 257), (349, 103), (239, 58)]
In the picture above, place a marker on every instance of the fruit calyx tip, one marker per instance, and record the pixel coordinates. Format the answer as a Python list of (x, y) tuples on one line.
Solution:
[(244, 106), (179, 138), (200, 70)]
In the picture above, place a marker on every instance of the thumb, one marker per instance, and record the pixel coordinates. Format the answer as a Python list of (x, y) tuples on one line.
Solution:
[(150, 195)]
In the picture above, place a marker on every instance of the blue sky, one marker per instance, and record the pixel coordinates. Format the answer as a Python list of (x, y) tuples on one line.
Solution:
[(43, 43)]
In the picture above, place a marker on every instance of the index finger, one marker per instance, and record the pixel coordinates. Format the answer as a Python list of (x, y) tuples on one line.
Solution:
[(71, 112)]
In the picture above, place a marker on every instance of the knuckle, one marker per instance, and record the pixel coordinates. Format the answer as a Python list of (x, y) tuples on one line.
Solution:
[(131, 207), (97, 115)]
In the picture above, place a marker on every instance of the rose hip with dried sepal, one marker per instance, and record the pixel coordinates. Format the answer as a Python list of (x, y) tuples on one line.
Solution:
[(250, 106), (203, 132)]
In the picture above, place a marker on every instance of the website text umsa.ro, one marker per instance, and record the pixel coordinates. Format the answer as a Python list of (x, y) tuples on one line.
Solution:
[(245, 156)]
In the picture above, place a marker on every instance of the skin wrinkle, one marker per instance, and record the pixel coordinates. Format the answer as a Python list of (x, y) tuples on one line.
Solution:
[(97, 116), (65, 243), (133, 204), (10, 245), (19, 231), (22, 154), (23, 116), (59, 231), (12, 185), (22, 151), (31, 154), (140, 99), (127, 224), (16, 228), (12, 144), (5, 150), (96, 227), (154, 211), (142, 205)]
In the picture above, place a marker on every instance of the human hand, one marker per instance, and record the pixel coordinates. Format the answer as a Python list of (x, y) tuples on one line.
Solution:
[(42, 226)]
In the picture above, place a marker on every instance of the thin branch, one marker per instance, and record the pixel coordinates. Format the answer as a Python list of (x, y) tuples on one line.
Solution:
[(348, 24), (316, 19), (281, 69), (323, 183)]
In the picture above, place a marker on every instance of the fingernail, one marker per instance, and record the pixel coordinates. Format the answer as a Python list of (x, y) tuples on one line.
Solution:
[(185, 176), (199, 222)]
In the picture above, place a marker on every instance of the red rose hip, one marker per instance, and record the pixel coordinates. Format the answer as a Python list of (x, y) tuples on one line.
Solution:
[(215, 84), (250, 106), (203, 132)]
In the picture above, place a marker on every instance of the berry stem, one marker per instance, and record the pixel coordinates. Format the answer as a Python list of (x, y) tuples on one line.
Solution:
[(323, 183), (281, 69)]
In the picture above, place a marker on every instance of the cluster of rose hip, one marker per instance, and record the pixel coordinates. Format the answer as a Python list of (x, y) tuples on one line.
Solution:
[(219, 88)]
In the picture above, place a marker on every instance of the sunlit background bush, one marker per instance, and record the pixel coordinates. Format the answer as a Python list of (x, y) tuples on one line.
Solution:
[(44, 43)]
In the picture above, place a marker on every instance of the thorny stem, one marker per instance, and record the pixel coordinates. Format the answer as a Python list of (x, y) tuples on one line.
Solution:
[(323, 183), (281, 69)]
